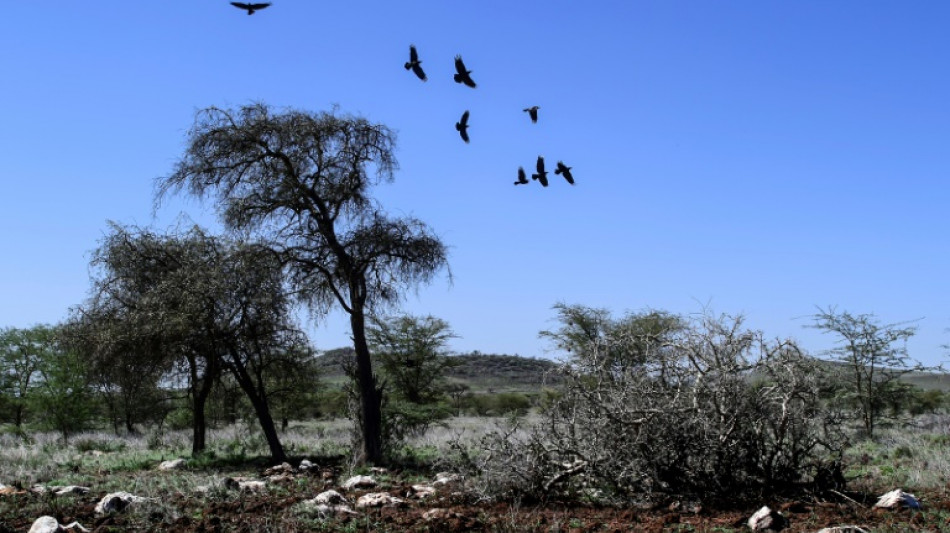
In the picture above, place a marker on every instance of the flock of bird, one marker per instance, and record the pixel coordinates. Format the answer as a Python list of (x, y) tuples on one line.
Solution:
[(462, 76)]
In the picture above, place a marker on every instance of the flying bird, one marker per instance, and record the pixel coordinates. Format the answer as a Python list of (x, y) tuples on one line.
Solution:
[(541, 176), (251, 8), (462, 126), (415, 64), (565, 171), (462, 75), (522, 177), (533, 112)]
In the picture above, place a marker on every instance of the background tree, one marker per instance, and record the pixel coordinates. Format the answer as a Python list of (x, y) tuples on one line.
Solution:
[(302, 180), (412, 353), (21, 353), (126, 367), (62, 391), (873, 358)]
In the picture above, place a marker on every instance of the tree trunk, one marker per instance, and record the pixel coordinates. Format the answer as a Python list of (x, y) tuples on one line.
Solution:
[(201, 389), (370, 395), (259, 402)]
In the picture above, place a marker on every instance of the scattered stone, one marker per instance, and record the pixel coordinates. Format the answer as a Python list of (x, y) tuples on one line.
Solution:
[(117, 501), (282, 468), (305, 465), (45, 524), (329, 497), (173, 464), (378, 499), (444, 478), (327, 510), (897, 499), (48, 524), (439, 513), (843, 529), (280, 478), (6, 489), (244, 484), (71, 489), (420, 491), (765, 519), (359, 482), (378, 470)]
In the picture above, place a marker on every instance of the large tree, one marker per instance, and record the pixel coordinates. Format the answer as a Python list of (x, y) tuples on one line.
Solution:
[(303, 180)]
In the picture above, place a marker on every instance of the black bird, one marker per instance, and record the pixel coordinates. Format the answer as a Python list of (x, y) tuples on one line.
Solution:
[(462, 126), (415, 64), (533, 112), (565, 171), (462, 75), (522, 178), (541, 176), (251, 8)]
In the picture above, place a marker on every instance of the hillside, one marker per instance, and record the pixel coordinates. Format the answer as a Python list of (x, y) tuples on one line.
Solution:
[(480, 372)]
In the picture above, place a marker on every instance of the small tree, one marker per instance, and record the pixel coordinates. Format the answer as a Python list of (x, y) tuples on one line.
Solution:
[(412, 355), (873, 358), (63, 395)]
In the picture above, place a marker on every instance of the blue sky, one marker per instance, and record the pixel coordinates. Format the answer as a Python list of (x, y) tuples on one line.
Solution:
[(761, 158)]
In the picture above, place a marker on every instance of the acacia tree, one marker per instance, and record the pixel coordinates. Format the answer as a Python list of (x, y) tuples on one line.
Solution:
[(874, 357), (303, 181)]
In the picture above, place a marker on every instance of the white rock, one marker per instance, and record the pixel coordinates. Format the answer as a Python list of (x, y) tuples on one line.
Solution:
[(329, 497), (117, 501), (327, 510), (421, 491), (282, 468), (305, 465), (765, 519), (897, 498), (71, 489), (378, 499), (173, 464), (843, 529), (45, 524), (359, 482), (443, 478)]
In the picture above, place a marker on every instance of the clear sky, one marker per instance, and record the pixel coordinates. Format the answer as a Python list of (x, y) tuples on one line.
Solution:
[(763, 158)]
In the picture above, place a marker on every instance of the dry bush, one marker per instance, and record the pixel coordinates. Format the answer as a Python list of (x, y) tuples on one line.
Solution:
[(656, 403)]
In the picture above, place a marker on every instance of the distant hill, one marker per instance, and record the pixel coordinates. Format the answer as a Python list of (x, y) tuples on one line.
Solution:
[(513, 373), (481, 372)]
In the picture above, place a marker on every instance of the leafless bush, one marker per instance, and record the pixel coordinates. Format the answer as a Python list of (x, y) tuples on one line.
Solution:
[(656, 403)]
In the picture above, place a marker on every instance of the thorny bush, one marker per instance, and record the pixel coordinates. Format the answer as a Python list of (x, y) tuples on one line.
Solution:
[(658, 404)]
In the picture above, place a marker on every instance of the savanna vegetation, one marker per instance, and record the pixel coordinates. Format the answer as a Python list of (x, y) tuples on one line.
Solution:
[(190, 346)]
